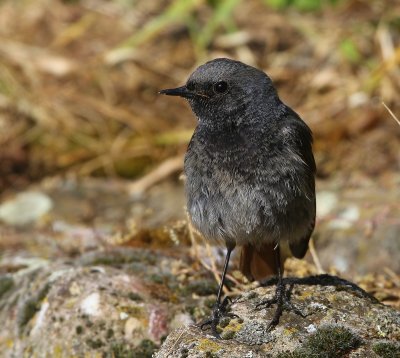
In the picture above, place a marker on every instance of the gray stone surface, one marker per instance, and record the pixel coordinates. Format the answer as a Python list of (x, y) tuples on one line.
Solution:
[(342, 321), (104, 304), (125, 302)]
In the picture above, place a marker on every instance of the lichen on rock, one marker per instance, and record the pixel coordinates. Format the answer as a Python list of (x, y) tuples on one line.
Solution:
[(99, 304), (341, 320)]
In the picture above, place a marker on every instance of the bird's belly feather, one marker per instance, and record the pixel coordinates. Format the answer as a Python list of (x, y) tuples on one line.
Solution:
[(229, 212)]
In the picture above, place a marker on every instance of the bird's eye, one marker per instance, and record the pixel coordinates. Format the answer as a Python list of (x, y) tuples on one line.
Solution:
[(221, 87)]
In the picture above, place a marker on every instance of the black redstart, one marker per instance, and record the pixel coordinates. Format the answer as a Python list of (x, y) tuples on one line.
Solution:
[(250, 171)]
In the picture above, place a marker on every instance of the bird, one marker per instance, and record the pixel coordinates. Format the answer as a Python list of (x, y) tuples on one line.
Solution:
[(250, 173)]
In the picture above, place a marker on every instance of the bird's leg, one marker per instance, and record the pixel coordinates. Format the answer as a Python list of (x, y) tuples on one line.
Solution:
[(281, 297), (219, 309), (279, 292)]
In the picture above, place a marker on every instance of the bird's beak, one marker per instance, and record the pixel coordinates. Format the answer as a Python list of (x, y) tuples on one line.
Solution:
[(180, 91)]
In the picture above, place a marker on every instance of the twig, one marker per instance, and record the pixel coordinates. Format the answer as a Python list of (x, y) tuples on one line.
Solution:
[(393, 276), (165, 169), (213, 267), (315, 257), (176, 342), (391, 113)]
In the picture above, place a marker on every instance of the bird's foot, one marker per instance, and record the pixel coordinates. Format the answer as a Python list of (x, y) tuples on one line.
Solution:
[(283, 303), (219, 312)]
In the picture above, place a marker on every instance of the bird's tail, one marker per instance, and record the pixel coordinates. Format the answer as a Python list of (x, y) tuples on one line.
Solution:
[(258, 263)]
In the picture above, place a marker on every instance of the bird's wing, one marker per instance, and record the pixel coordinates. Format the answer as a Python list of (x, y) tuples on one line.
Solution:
[(302, 140), (300, 247)]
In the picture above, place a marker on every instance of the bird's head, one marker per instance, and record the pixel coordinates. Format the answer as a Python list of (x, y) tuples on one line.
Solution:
[(224, 89)]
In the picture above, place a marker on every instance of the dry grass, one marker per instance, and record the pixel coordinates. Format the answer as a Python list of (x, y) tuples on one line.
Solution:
[(79, 79)]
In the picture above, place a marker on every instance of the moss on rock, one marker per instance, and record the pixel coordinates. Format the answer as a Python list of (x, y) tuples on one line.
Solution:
[(387, 349), (327, 342), (6, 283)]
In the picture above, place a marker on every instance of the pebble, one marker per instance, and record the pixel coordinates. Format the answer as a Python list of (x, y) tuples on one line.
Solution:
[(25, 208), (326, 202)]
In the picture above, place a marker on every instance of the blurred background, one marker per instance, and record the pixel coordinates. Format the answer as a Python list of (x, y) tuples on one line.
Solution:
[(91, 156)]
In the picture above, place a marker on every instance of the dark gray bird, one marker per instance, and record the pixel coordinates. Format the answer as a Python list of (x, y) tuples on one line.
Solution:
[(250, 171)]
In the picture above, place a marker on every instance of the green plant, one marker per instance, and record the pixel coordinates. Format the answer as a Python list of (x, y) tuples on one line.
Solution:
[(302, 5), (185, 12)]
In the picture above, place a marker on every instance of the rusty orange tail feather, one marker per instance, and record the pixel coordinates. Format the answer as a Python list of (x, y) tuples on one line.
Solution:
[(258, 263)]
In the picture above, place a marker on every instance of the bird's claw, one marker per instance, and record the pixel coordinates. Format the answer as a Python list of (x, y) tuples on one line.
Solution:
[(216, 315), (219, 311), (282, 300)]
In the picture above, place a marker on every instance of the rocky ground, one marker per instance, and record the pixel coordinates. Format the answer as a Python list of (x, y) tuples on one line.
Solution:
[(117, 303), (88, 269), (107, 267), (341, 321)]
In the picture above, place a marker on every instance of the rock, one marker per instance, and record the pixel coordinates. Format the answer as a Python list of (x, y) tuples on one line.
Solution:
[(326, 203), (346, 218), (358, 220), (341, 321), (117, 303), (25, 208), (124, 302)]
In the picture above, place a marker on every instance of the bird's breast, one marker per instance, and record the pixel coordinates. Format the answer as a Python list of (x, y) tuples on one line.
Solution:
[(244, 190)]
